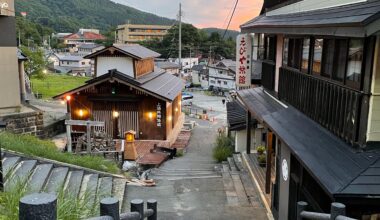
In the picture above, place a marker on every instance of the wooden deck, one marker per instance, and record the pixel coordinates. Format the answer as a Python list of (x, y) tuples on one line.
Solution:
[(259, 173)]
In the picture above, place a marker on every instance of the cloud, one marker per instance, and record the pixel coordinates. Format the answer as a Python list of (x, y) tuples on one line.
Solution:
[(201, 13)]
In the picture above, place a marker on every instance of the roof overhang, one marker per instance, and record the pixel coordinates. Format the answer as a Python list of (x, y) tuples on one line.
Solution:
[(114, 76), (354, 20), (110, 49)]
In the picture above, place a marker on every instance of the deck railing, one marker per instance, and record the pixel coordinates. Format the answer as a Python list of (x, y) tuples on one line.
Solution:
[(268, 75), (334, 106)]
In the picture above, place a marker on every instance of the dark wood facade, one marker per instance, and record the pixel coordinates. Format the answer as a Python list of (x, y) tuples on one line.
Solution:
[(125, 108)]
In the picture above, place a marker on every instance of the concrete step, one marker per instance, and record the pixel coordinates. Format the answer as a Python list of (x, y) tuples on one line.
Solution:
[(231, 163), (8, 164), (189, 177), (56, 180), (179, 173), (39, 178), (105, 187), (240, 191), (20, 173), (238, 161), (73, 183), (89, 188), (119, 191)]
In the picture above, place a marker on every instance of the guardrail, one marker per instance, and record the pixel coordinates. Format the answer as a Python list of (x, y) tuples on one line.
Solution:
[(338, 212), (43, 206)]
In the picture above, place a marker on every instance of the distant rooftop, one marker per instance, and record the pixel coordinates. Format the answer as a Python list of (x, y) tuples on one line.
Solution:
[(134, 50)]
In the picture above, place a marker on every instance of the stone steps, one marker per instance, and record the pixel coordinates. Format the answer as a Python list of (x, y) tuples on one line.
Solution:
[(41, 176), (239, 188)]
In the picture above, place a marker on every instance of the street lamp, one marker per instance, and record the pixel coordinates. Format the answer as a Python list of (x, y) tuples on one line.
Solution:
[(3, 125)]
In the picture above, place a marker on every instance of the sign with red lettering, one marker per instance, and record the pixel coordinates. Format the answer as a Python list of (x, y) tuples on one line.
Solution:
[(243, 58)]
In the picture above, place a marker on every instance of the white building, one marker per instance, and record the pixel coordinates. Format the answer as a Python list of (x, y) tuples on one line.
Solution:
[(222, 74), (70, 63), (187, 63)]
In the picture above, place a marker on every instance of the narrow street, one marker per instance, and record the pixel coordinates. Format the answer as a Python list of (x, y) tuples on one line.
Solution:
[(195, 187)]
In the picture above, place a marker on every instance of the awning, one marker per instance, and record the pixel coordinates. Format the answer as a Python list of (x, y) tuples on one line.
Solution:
[(354, 20), (236, 116), (339, 168)]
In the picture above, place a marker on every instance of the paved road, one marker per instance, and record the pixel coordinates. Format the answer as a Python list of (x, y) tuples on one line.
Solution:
[(190, 188)]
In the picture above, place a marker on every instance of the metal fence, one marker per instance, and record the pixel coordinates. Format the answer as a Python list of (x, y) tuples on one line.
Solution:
[(338, 212), (43, 206)]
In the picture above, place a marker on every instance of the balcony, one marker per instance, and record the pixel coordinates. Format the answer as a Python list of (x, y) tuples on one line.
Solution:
[(268, 75), (334, 106)]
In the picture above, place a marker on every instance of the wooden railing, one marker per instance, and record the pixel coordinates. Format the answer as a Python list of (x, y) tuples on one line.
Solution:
[(332, 105), (268, 75)]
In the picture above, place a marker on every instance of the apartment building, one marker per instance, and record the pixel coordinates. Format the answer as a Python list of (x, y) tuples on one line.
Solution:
[(134, 33), (318, 104), (9, 83)]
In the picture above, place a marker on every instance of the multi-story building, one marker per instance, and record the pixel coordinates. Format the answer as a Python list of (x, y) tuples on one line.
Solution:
[(222, 74), (83, 36), (319, 104), (134, 33), (9, 83)]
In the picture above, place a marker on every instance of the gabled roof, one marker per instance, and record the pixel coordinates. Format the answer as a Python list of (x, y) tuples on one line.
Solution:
[(133, 50), (339, 168), (89, 46), (198, 67), (159, 84), (69, 57), (355, 20)]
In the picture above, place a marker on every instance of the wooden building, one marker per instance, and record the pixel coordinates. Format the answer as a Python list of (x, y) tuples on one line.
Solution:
[(129, 93), (319, 103)]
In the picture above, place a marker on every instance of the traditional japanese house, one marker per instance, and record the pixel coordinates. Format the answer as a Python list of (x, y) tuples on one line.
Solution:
[(129, 93), (319, 101)]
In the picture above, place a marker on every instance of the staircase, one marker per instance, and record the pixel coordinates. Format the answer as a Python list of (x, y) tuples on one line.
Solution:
[(238, 185), (50, 177)]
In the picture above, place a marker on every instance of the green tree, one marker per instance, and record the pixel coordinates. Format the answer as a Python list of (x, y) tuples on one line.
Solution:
[(36, 63)]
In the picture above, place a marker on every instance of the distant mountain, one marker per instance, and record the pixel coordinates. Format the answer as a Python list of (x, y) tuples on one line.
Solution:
[(230, 33), (70, 15)]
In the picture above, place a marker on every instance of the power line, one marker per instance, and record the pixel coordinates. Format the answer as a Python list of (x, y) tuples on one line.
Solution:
[(233, 12)]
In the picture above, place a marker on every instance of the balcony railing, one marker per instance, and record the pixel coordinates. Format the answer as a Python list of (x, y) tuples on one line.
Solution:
[(268, 75), (332, 105)]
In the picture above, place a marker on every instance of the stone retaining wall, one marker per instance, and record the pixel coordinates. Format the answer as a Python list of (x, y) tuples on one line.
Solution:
[(25, 123)]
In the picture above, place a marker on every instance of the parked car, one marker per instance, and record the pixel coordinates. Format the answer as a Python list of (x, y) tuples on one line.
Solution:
[(187, 99)]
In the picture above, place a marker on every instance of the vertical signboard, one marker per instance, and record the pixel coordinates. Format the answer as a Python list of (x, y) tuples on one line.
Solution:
[(7, 7), (243, 60), (159, 115)]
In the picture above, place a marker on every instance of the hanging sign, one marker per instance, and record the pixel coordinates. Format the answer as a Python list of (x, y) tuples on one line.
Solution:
[(7, 7), (243, 58), (159, 115)]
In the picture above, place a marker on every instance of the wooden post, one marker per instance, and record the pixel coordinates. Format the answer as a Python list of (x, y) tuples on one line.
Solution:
[(69, 142), (269, 162), (248, 126), (88, 135)]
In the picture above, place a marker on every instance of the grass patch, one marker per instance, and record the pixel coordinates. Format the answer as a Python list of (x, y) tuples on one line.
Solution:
[(54, 84), (69, 207), (33, 146), (224, 148)]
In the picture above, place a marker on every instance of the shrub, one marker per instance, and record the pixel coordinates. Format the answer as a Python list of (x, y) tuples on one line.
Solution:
[(32, 146), (260, 150), (223, 148)]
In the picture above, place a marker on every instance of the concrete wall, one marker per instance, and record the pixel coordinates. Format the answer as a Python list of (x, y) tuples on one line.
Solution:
[(284, 185), (310, 5), (241, 139), (374, 107), (25, 123), (122, 64)]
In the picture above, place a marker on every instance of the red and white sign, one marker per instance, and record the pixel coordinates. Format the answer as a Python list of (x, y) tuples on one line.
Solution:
[(23, 13), (243, 60)]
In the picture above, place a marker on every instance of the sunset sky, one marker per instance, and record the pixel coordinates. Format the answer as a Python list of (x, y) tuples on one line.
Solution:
[(201, 13)]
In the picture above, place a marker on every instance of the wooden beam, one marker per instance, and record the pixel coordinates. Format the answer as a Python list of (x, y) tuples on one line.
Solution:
[(269, 162), (248, 126), (69, 142)]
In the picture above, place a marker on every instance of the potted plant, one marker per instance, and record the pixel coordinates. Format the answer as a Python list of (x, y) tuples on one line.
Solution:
[(260, 150), (262, 159)]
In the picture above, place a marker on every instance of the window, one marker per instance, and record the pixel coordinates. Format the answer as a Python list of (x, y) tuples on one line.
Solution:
[(261, 48), (354, 65), (270, 48), (83, 63), (305, 55), (317, 58), (285, 52), (219, 82), (340, 57), (212, 81), (220, 72), (225, 82), (255, 46)]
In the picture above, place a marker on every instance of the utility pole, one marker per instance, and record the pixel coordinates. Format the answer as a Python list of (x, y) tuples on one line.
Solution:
[(180, 40), (191, 62)]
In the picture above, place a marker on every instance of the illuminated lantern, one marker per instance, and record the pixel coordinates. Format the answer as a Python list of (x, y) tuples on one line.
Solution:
[(68, 98), (150, 115), (115, 114), (176, 109), (130, 152), (81, 113)]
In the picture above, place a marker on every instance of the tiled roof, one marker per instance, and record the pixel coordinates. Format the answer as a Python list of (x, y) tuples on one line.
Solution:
[(85, 36)]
